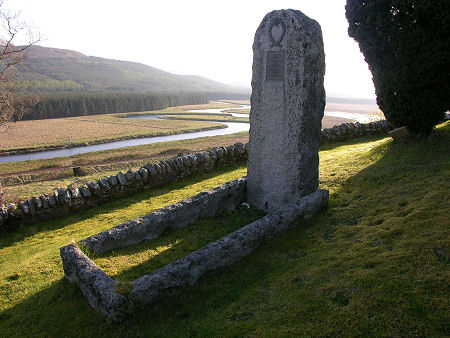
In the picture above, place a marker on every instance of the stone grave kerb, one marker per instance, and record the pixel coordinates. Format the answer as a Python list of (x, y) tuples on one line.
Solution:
[(287, 107)]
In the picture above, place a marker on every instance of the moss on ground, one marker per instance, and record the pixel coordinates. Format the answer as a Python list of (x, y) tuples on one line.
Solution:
[(374, 263)]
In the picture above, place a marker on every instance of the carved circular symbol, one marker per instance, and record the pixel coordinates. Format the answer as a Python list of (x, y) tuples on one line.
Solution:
[(277, 31)]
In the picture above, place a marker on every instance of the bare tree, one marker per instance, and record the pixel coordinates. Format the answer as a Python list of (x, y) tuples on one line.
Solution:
[(12, 104)]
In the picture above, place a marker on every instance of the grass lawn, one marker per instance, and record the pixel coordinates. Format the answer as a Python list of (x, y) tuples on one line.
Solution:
[(374, 263)]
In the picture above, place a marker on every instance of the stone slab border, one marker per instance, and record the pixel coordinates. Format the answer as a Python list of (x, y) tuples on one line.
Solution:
[(178, 215), (102, 291)]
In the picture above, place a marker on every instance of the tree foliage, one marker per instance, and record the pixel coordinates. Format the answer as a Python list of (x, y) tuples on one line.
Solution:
[(65, 105), (406, 44)]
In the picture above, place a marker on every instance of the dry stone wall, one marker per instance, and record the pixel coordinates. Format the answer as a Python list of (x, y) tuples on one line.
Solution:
[(347, 131), (63, 201)]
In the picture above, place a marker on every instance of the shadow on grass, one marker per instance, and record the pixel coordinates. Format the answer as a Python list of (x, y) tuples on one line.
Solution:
[(356, 140), (364, 266), (24, 231), (61, 310), (180, 242)]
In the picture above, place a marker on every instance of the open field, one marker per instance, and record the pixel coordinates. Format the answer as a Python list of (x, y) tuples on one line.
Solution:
[(23, 179), (180, 114), (75, 131), (241, 102), (213, 104), (374, 263), (239, 111), (206, 117)]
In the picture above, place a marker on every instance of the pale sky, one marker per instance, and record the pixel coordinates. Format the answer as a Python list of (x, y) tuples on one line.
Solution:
[(208, 38)]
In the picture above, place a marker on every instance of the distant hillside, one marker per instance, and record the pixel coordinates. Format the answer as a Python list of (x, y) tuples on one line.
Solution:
[(52, 70)]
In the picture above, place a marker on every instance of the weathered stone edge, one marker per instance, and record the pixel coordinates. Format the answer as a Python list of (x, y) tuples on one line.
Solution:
[(95, 284), (100, 289), (226, 251), (177, 215)]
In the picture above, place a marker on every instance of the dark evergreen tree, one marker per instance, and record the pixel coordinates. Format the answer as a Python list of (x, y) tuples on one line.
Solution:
[(406, 44)]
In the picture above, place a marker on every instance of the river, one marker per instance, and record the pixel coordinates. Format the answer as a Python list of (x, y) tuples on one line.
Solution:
[(232, 127)]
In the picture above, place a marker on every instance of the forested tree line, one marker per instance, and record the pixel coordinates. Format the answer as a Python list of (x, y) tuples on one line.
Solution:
[(65, 105)]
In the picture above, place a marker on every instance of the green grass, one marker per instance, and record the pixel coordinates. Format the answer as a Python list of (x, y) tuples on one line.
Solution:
[(374, 263), (128, 264)]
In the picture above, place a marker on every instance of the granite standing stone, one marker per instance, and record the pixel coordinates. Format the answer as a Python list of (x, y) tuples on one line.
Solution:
[(287, 106)]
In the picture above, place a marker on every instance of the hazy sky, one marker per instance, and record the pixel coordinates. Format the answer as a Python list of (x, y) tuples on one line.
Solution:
[(210, 38)]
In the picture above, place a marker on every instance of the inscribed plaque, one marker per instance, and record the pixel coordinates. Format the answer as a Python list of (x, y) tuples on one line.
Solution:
[(275, 64)]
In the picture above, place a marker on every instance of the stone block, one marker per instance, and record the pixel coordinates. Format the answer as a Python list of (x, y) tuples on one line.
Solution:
[(104, 184), (401, 134), (129, 176), (113, 180), (85, 191), (144, 174), (97, 286), (95, 188), (121, 178)]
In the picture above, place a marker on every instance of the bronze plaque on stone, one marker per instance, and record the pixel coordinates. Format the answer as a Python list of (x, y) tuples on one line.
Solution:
[(275, 64)]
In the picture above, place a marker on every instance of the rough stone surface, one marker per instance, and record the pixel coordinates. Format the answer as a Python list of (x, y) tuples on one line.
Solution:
[(400, 134), (113, 180), (45, 201), (287, 106), (96, 285), (101, 290), (144, 174), (94, 187), (121, 178), (178, 215), (227, 250), (350, 130), (52, 201), (85, 192), (104, 184)]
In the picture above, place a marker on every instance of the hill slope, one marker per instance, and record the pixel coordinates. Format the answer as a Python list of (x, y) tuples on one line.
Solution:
[(58, 70)]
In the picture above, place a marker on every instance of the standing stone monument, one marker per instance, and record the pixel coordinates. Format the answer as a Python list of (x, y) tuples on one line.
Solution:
[(288, 100), (287, 105)]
